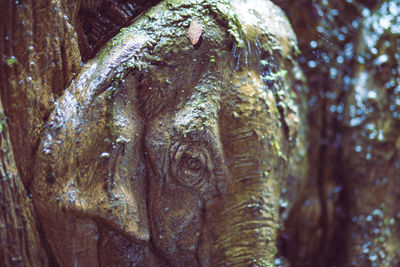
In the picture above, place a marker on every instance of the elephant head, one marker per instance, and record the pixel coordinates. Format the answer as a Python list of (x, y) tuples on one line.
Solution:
[(164, 153)]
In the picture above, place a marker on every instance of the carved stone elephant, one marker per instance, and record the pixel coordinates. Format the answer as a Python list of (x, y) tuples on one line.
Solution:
[(161, 153)]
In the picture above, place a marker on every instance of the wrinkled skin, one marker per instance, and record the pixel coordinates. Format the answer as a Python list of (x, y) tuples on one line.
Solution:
[(161, 153)]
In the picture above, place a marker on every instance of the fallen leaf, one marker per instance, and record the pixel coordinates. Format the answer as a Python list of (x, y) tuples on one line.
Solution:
[(195, 30)]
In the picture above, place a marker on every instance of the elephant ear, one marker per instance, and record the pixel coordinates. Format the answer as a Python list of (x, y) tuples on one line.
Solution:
[(89, 163)]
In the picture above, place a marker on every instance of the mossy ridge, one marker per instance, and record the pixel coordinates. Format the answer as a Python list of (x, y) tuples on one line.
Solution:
[(170, 31)]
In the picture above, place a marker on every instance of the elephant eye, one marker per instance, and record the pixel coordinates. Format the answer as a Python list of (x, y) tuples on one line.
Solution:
[(193, 162), (190, 164)]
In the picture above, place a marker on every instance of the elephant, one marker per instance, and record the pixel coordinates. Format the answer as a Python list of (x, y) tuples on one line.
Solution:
[(162, 152)]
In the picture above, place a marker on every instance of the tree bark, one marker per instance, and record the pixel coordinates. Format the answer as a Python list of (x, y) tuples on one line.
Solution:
[(20, 241), (345, 213), (40, 55)]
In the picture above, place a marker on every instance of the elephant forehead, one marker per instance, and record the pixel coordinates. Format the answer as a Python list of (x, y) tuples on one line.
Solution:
[(197, 116), (199, 113)]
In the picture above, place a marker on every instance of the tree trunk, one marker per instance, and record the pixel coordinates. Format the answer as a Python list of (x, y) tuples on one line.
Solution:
[(20, 241), (40, 55), (345, 215)]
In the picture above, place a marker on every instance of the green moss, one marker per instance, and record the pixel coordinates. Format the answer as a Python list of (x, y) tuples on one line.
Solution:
[(281, 74), (11, 61), (109, 98), (176, 2), (260, 263), (162, 31), (224, 9), (3, 122)]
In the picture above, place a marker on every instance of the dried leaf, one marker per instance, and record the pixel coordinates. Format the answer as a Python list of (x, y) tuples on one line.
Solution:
[(195, 30)]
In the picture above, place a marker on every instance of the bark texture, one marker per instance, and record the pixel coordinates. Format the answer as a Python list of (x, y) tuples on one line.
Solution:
[(20, 241), (40, 55), (350, 57)]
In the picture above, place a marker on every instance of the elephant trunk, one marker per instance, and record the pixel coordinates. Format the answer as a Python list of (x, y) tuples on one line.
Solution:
[(240, 233), (240, 225)]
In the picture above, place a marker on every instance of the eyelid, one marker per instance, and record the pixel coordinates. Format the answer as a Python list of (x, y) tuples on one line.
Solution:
[(182, 171)]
